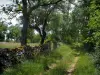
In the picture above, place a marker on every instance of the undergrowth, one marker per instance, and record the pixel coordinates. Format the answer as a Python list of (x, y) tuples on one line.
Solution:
[(63, 57), (85, 66)]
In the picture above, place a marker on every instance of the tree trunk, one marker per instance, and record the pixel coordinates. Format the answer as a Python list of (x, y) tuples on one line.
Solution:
[(43, 37), (43, 29), (25, 23), (24, 32)]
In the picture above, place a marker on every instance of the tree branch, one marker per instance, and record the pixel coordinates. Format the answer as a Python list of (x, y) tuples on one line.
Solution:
[(45, 4), (51, 3), (37, 29), (24, 2), (29, 3)]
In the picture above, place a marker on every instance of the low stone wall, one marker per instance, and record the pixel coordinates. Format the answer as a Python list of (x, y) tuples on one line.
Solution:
[(9, 57)]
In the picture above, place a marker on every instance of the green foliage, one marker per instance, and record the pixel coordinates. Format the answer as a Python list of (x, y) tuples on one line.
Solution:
[(3, 30), (61, 28), (30, 35), (94, 21), (14, 33), (96, 58), (77, 45), (85, 66), (95, 27), (36, 38)]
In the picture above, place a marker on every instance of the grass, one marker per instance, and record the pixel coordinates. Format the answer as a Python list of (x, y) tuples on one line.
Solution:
[(27, 68), (59, 70), (85, 66), (9, 45), (68, 55), (13, 44), (63, 57)]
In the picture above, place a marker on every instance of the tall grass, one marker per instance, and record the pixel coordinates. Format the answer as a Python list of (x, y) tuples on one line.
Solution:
[(68, 55), (85, 66), (59, 70), (67, 58), (27, 68), (63, 57)]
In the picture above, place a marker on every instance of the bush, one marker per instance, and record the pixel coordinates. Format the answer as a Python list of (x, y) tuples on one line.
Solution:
[(96, 57)]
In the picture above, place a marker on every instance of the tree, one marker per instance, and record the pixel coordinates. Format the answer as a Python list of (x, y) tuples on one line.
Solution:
[(3, 30), (27, 11), (80, 19), (30, 35), (39, 21), (94, 26), (60, 24), (26, 7), (14, 33), (29, 6), (94, 21)]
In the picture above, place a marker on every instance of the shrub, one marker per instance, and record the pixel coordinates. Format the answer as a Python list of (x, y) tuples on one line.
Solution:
[(96, 57)]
